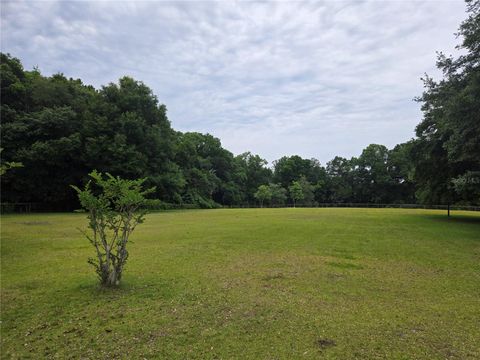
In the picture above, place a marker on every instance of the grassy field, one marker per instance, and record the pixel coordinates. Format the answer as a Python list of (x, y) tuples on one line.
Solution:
[(248, 284)]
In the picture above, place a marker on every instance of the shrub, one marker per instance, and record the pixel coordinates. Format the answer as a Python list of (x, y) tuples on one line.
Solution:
[(115, 207)]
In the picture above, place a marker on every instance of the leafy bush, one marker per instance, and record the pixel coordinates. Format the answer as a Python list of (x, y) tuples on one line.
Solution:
[(115, 207)]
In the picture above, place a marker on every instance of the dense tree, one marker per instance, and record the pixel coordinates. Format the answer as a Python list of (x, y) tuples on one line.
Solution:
[(340, 179), (8, 165), (60, 129), (253, 172), (209, 170), (135, 139), (400, 168), (42, 130), (14, 83), (374, 182), (446, 152), (279, 194), (308, 198), (311, 175), (292, 168)]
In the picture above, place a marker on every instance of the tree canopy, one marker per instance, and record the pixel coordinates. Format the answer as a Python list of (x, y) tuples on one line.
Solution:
[(60, 129), (446, 152)]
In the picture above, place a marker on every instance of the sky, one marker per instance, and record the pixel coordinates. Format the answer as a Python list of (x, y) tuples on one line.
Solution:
[(316, 79)]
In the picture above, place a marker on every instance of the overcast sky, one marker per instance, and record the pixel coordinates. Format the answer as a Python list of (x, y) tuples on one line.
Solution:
[(317, 79)]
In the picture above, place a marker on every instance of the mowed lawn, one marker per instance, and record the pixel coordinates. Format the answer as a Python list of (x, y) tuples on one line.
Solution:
[(248, 284)]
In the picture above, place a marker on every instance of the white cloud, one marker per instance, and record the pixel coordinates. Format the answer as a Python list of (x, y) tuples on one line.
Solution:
[(276, 78)]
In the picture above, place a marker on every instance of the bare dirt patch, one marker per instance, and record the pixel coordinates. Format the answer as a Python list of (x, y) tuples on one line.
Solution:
[(325, 343)]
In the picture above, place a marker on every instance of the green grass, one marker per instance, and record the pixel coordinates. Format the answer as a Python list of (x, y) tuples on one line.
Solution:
[(248, 284)]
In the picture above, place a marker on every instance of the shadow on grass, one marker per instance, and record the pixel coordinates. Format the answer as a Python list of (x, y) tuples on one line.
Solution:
[(160, 289), (454, 218), (92, 288)]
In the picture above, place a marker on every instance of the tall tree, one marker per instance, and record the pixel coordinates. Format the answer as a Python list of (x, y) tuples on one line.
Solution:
[(374, 182), (279, 194), (253, 172), (340, 179), (308, 198), (292, 168), (447, 149), (400, 168)]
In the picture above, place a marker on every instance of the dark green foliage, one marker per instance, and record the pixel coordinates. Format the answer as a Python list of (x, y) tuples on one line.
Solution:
[(279, 194), (400, 168), (288, 169), (8, 165), (446, 152), (252, 172), (373, 178), (340, 180), (308, 198), (60, 129), (208, 170)]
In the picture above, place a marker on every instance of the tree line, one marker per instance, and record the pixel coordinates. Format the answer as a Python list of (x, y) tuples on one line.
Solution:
[(60, 129)]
